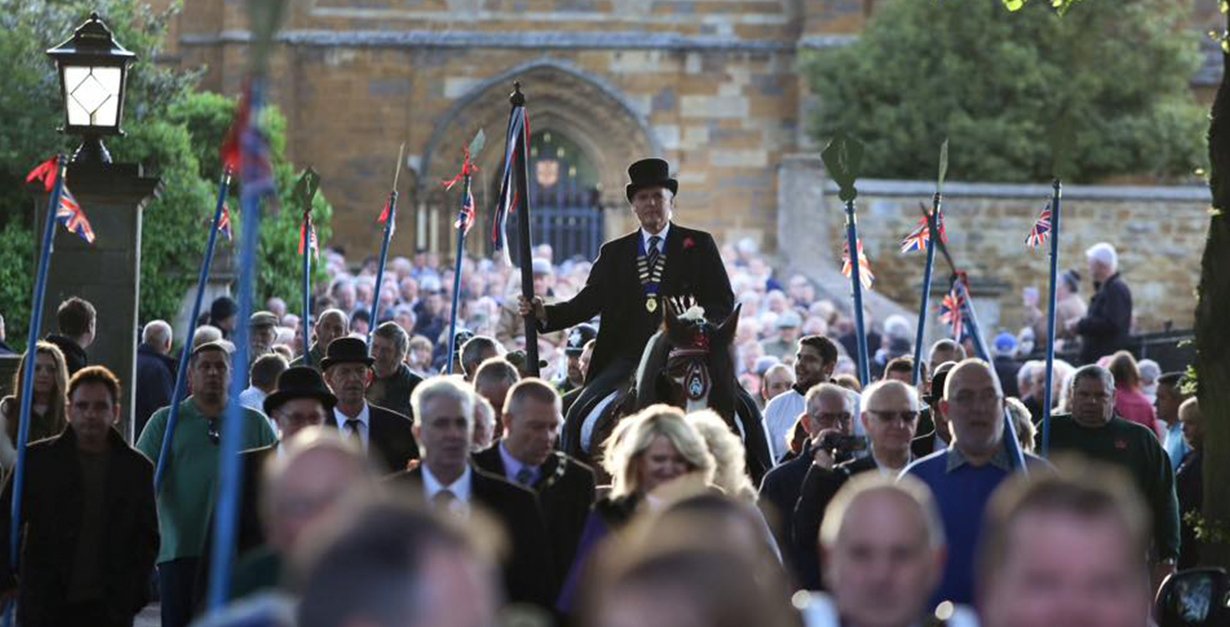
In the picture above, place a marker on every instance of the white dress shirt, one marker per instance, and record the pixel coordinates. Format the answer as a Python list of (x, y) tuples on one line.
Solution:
[(460, 489), (364, 426), (645, 235)]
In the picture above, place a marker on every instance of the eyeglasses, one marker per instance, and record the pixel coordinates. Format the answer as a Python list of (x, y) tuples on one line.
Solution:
[(215, 435), (907, 416), (839, 417), (986, 397)]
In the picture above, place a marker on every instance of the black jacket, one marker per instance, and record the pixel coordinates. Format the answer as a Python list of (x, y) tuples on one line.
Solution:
[(74, 356), (52, 516), (1107, 322), (778, 493), (529, 575), (155, 383), (393, 392), (390, 438), (613, 290), (565, 490), (249, 532), (819, 487), (1189, 486)]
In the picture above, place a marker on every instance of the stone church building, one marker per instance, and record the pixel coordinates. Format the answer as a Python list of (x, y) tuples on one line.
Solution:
[(710, 85)]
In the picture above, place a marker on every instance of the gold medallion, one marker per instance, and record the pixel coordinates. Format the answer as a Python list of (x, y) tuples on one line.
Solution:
[(651, 305)]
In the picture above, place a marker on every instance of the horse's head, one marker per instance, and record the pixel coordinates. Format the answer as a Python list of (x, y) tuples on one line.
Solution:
[(699, 355)]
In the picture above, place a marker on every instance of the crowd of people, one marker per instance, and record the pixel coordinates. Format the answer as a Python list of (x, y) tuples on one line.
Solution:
[(386, 486)]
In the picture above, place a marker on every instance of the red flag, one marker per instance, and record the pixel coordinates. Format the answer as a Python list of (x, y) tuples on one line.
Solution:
[(224, 224), (231, 146), (46, 172), (312, 243)]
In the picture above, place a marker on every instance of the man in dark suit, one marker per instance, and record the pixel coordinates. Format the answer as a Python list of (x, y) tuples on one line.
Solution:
[(935, 432), (385, 435), (449, 483), (829, 410), (1106, 324), (890, 416), (527, 456), (627, 283)]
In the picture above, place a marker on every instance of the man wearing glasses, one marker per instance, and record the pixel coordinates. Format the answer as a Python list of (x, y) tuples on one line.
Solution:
[(188, 489), (889, 415), (963, 476)]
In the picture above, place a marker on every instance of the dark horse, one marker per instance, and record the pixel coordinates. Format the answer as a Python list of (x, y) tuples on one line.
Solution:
[(690, 363)]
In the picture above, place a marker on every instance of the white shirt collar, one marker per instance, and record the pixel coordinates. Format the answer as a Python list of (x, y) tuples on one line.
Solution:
[(365, 416), (460, 488), (645, 235)]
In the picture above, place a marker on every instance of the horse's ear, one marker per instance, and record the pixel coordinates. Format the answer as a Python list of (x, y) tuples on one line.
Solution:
[(670, 317), (725, 333)]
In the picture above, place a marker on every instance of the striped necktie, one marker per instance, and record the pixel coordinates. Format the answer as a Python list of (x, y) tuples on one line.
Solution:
[(651, 255)]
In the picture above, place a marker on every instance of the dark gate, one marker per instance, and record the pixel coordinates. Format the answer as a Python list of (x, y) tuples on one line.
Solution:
[(565, 210)]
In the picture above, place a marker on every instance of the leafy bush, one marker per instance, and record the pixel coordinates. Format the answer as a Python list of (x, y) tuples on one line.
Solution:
[(1021, 95)]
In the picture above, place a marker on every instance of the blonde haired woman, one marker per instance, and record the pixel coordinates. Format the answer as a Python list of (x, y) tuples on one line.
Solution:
[(730, 472), (646, 451), (48, 414)]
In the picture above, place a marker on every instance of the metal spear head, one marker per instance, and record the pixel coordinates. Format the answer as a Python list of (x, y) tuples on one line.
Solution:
[(843, 157), (476, 144), (939, 185), (305, 189)]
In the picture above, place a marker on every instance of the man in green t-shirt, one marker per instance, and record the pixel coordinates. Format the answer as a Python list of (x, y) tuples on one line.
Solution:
[(1093, 430), (188, 490)]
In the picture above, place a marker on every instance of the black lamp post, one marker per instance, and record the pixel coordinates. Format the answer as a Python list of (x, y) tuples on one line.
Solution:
[(93, 69)]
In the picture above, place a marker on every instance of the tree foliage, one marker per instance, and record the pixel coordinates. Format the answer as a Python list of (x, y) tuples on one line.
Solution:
[(172, 130), (1022, 95)]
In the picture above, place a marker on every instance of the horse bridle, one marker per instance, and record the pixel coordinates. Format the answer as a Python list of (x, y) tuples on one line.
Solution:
[(696, 381)]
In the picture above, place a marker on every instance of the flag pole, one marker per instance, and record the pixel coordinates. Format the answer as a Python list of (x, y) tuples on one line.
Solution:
[(389, 225), (1056, 196), (860, 329), (932, 229), (1011, 443), (27, 383), (230, 470), (522, 169), (181, 375), (305, 242), (462, 216)]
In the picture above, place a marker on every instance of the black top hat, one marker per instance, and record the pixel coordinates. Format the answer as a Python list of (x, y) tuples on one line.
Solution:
[(650, 173), (345, 350), (300, 382), (578, 337)]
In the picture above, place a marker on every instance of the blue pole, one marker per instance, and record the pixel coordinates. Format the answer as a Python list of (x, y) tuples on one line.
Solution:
[(923, 306), (1050, 319), (462, 220), (384, 256), (864, 368), (27, 383), (230, 470), (1011, 442), (307, 290), (181, 376)]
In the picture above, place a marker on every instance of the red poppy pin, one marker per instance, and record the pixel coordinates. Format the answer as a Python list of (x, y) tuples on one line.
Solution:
[(688, 243), (1121, 445)]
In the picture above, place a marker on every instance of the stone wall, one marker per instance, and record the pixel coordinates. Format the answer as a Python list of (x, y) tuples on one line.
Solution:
[(1158, 231)]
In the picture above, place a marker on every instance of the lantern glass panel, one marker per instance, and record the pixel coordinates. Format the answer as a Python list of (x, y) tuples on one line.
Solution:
[(92, 95)]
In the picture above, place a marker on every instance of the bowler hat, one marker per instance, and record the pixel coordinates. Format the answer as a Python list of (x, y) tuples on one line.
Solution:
[(650, 173), (346, 350), (300, 382)]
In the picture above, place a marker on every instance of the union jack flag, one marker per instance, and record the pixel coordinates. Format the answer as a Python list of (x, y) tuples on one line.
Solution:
[(865, 275), (518, 132), (952, 313), (921, 235), (1041, 229), (307, 233), (69, 214), (224, 223), (246, 149), (465, 219)]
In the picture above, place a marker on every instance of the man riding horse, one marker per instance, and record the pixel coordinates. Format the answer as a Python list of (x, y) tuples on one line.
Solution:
[(628, 285)]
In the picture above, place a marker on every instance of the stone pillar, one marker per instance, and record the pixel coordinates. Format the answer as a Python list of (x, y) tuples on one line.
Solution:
[(108, 272)]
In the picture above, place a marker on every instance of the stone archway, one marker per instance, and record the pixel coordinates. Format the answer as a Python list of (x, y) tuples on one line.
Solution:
[(560, 97)]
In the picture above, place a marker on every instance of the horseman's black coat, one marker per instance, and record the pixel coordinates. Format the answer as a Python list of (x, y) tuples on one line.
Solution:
[(693, 268)]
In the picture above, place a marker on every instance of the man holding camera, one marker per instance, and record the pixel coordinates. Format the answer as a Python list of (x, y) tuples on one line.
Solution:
[(890, 416)]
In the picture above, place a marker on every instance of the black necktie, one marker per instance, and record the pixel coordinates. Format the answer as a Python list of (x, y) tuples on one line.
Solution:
[(352, 426), (651, 255)]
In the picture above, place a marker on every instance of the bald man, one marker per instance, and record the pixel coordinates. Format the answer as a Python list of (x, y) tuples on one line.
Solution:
[(964, 475)]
